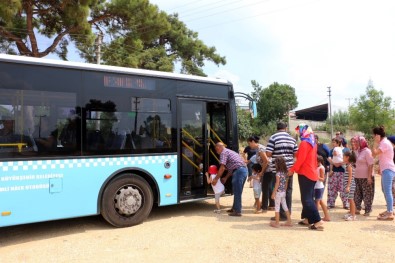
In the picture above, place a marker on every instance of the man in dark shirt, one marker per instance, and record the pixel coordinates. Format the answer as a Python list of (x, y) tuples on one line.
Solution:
[(250, 152), (340, 136), (324, 151)]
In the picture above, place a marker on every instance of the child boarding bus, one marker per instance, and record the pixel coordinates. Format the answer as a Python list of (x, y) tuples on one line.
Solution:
[(81, 139)]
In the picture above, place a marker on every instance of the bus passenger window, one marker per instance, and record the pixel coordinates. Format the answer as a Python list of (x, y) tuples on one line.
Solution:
[(151, 124), (68, 135), (35, 123)]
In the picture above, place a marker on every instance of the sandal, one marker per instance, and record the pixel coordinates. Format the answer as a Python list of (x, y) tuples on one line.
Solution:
[(386, 216), (317, 228), (383, 213), (303, 223), (346, 216), (234, 214), (351, 218)]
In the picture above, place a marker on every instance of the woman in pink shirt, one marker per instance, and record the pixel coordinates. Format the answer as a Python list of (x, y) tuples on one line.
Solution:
[(364, 180), (383, 149)]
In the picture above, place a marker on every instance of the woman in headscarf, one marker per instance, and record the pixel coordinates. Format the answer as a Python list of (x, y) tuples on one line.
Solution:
[(364, 180), (265, 175), (306, 167)]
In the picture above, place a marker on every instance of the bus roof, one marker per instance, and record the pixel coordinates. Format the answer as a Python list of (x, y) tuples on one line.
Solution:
[(105, 68)]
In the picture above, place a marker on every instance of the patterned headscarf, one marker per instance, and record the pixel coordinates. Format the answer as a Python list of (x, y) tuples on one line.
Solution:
[(361, 141), (306, 133)]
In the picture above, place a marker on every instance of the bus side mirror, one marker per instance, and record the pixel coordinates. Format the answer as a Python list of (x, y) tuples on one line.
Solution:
[(253, 110)]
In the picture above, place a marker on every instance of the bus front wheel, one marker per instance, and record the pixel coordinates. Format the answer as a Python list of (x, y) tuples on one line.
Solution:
[(127, 201)]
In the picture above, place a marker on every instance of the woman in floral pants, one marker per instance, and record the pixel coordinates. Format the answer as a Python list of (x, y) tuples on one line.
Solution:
[(364, 179), (335, 180)]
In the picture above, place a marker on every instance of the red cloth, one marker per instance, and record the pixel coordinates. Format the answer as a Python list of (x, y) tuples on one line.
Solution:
[(306, 161)]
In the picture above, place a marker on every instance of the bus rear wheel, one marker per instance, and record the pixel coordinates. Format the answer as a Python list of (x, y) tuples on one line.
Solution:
[(126, 201)]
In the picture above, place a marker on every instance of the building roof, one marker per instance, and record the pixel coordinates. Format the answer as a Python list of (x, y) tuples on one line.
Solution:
[(315, 113)]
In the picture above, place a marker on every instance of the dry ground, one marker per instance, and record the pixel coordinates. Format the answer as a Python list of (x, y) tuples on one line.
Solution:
[(193, 233)]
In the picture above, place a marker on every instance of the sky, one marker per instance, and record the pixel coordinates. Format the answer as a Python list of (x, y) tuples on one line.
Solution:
[(308, 44)]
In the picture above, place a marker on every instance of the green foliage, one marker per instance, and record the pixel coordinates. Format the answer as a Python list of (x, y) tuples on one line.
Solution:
[(188, 48), (257, 90), (341, 122), (8, 10), (341, 119), (274, 102), (60, 21), (244, 123), (136, 33), (267, 129), (370, 110)]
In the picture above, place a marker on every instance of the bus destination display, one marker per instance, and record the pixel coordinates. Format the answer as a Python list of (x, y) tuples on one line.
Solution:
[(129, 82)]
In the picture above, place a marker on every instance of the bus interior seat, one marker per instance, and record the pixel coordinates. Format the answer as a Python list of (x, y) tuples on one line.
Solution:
[(119, 140), (33, 142), (95, 140), (134, 139)]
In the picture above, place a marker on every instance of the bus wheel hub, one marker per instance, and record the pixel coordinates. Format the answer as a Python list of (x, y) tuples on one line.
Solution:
[(128, 200)]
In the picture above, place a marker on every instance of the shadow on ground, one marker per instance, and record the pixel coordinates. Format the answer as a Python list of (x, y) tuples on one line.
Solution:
[(45, 230)]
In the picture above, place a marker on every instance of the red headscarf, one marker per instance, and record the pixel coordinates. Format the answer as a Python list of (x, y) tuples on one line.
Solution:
[(362, 142)]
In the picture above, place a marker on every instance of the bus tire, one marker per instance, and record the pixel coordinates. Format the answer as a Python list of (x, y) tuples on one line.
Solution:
[(126, 201)]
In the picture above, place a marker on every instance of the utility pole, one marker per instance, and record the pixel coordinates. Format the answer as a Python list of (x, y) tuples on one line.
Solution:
[(349, 101), (330, 110), (289, 116), (98, 43)]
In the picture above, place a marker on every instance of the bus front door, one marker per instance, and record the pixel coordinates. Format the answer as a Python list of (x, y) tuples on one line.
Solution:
[(201, 124)]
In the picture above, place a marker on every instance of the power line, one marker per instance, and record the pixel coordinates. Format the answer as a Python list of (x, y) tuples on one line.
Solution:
[(228, 10), (196, 10), (261, 14), (349, 101), (198, 18), (188, 4), (147, 31)]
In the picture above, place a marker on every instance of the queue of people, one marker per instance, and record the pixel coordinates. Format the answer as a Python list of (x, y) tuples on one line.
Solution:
[(347, 172)]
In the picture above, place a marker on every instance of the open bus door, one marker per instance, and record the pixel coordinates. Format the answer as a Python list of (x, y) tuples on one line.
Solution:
[(201, 125), (218, 129)]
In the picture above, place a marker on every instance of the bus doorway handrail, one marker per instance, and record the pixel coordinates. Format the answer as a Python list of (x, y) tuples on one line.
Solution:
[(192, 138), (190, 161), (192, 150), (215, 135)]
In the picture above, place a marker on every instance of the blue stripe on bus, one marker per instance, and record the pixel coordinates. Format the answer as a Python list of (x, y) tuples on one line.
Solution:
[(42, 190)]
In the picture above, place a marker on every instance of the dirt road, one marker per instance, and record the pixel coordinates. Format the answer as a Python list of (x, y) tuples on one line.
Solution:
[(193, 233)]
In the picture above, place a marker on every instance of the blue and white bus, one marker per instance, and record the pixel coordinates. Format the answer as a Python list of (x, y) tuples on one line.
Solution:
[(82, 139)]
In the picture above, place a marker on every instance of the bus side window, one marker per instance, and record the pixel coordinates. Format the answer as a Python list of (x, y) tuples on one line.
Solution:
[(68, 135), (38, 121), (151, 124)]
